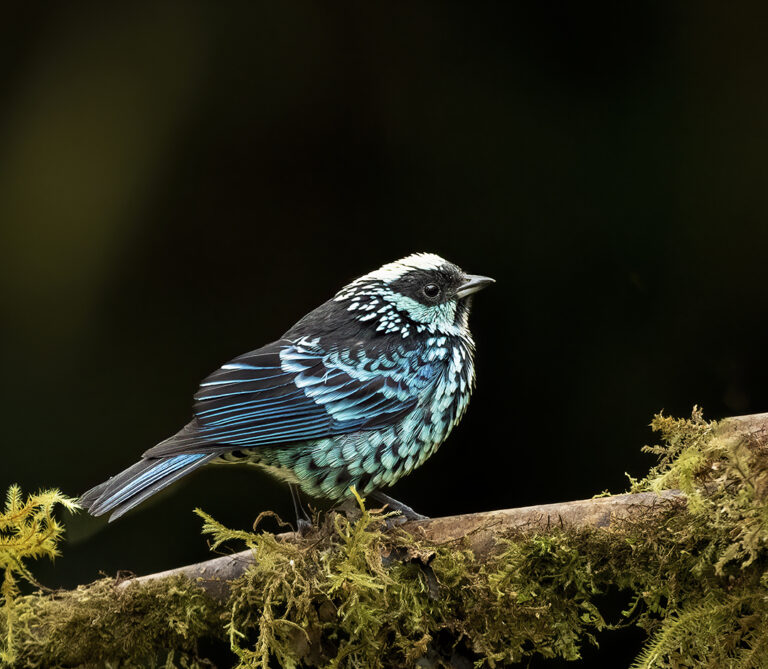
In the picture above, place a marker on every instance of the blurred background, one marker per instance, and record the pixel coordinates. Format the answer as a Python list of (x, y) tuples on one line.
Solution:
[(181, 181)]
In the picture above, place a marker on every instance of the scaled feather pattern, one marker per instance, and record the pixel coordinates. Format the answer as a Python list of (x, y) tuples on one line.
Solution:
[(360, 391)]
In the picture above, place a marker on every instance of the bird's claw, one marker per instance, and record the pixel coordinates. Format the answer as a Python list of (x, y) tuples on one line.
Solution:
[(406, 512), (304, 527)]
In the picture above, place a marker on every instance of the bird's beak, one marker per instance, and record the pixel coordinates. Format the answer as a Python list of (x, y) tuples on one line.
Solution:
[(473, 283)]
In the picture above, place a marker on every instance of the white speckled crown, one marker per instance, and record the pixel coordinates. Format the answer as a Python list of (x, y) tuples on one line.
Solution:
[(394, 270)]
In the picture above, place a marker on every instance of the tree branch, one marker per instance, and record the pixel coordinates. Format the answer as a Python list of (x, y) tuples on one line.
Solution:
[(529, 589), (480, 528)]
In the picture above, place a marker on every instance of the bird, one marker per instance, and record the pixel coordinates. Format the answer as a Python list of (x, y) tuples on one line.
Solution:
[(359, 392)]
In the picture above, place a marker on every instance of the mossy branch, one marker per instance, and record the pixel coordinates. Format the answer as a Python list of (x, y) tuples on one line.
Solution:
[(688, 548), (477, 532)]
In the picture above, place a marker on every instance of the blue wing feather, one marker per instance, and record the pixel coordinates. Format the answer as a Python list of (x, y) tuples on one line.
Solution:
[(295, 391)]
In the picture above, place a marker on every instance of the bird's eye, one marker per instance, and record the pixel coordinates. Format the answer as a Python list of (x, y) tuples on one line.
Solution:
[(431, 290)]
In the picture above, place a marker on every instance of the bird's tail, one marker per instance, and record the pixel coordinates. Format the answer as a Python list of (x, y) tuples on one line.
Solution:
[(132, 486)]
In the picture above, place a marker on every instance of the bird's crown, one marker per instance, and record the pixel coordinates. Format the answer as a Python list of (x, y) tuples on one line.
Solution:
[(418, 293)]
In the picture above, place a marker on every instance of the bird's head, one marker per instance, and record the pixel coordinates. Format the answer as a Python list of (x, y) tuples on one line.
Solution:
[(419, 293)]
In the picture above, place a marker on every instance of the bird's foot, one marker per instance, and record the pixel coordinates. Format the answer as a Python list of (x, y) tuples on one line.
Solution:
[(395, 521), (406, 512), (303, 521), (303, 526)]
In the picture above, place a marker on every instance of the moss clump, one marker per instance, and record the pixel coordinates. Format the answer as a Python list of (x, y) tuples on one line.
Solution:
[(103, 625), (28, 530), (350, 595), (716, 613), (98, 625), (725, 479), (357, 595)]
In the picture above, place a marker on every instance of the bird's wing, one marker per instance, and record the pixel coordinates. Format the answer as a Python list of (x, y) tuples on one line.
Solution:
[(295, 391)]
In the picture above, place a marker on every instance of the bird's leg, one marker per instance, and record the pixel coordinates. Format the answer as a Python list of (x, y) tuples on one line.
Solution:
[(407, 512), (303, 521)]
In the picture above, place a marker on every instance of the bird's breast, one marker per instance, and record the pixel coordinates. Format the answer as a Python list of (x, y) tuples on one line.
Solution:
[(446, 399)]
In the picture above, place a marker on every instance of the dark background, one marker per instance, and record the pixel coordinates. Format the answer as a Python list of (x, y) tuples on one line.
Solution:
[(180, 182)]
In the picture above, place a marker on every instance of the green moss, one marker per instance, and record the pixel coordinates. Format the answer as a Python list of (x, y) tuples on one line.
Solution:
[(693, 570), (99, 625), (693, 573), (357, 595), (725, 479), (28, 530), (102, 625)]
